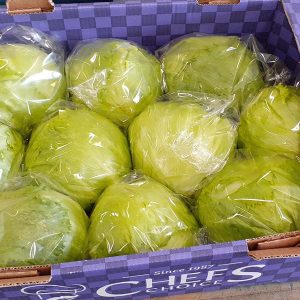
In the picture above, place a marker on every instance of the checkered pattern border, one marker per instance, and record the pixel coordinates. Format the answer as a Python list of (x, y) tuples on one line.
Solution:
[(2, 2), (153, 24), (281, 41), (292, 9), (222, 259)]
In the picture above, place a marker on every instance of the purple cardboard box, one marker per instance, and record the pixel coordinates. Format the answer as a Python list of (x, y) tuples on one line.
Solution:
[(181, 271)]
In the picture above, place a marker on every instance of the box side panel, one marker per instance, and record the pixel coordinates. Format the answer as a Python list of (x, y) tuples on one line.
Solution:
[(282, 42), (292, 9), (141, 276), (204, 268), (151, 24)]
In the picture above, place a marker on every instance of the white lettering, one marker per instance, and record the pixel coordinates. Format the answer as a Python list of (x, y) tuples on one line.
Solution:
[(211, 274), (182, 286), (150, 282), (205, 283), (165, 289), (200, 267), (188, 278), (103, 290), (241, 272), (153, 290)]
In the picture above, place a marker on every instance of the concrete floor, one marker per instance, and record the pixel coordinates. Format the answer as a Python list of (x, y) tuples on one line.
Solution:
[(290, 291)]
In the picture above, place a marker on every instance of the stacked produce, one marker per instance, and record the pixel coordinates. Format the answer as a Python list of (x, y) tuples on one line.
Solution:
[(137, 215), (31, 77), (78, 153), (251, 198), (270, 124), (39, 226), (115, 78), (219, 152), (217, 65), (191, 141), (11, 152)]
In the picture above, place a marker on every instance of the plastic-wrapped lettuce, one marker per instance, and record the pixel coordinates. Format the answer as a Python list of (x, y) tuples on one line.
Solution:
[(11, 152), (252, 198), (78, 153), (40, 226), (181, 141), (271, 123), (31, 76), (115, 78), (218, 65), (139, 215)]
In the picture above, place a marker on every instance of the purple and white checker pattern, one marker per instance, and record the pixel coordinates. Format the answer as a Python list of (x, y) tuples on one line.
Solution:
[(154, 23), (281, 41), (226, 258), (292, 9)]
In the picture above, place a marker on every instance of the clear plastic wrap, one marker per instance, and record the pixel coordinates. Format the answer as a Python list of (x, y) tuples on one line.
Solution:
[(271, 122), (31, 76), (78, 152), (274, 70), (11, 152), (181, 141), (139, 215), (251, 198), (217, 65), (114, 77), (40, 226)]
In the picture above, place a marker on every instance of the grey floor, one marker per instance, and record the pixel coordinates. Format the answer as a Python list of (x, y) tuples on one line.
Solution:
[(290, 291)]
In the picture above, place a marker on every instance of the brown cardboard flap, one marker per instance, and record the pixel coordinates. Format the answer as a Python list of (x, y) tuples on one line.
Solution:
[(17, 7), (282, 245), (25, 275), (218, 2)]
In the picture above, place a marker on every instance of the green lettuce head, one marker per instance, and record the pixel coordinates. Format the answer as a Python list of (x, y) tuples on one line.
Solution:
[(252, 198), (78, 153), (139, 215), (31, 80), (40, 226), (271, 123), (115, 78), (181, 141), (218, 65), (11, 152)]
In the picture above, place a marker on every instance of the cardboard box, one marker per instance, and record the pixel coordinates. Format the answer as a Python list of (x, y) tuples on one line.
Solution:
[(181, 271), (18, 6)]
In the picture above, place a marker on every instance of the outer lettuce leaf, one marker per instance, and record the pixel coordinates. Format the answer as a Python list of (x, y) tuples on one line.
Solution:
[(11, 152), (271, 123), (252, 198), (140, 215), (30, 82), (215, 65), (179, 143), (40, 226), (79, 153), (115, 78)]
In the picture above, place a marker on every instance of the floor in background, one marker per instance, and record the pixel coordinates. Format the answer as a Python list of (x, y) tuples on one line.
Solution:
[(287, 291)]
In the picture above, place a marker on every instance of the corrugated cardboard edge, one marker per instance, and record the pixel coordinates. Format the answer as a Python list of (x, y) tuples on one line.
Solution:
[(218, 2), (18, 7), (276, 246), (15, 276)]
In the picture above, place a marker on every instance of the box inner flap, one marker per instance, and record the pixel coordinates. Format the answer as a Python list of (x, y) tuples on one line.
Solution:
[(282, 245)]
